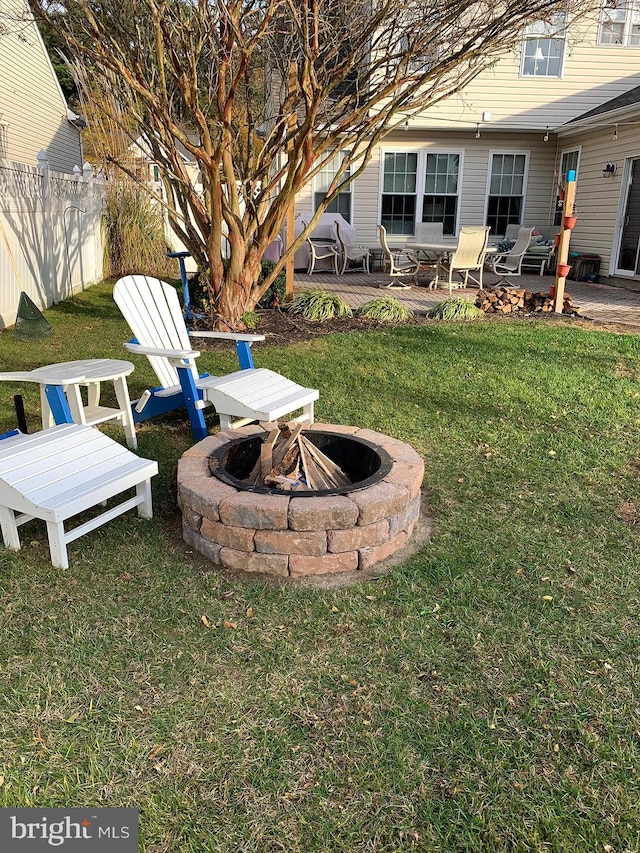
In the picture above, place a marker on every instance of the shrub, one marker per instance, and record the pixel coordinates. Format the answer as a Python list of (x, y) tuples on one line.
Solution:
[(250, 319), (276, 293), (316, 304), (134, 233), (385, 309), (455, 308)]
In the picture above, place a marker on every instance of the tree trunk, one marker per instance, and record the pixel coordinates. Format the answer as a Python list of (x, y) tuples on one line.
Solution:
[(233, 292)]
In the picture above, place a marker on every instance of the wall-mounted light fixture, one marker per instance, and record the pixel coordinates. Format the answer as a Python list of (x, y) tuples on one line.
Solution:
[(609, 169), (545, 138), (615, 131)]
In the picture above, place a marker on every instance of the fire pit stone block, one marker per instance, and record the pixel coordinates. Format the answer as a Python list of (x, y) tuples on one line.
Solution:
[(247, 509), (307, 543), (330, 564), (379, 501), (332, 512), (358, 537)]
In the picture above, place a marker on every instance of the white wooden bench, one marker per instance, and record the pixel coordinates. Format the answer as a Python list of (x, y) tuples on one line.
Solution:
[(55, 474)]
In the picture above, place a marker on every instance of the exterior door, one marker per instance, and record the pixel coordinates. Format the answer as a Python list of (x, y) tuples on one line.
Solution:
[(628, 260)]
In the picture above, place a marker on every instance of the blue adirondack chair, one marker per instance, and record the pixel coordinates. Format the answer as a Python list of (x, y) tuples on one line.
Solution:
[(152, 309)]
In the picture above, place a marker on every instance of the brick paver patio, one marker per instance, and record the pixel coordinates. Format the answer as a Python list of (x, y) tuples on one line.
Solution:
[(601, 302)]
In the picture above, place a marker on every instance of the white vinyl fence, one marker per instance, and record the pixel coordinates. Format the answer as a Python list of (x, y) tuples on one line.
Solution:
[(50, 234)]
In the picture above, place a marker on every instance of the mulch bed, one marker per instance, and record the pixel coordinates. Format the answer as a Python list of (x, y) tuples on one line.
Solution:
[(281, 329)]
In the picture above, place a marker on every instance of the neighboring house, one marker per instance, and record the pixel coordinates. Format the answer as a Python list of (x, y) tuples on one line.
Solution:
[(51, 241), (34, 115), (497, 152)]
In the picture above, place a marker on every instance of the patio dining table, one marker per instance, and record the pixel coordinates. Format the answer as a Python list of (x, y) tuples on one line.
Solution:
[(441, 250)]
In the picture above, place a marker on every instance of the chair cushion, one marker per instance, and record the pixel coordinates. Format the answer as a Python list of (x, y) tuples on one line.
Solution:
[(539, 250)]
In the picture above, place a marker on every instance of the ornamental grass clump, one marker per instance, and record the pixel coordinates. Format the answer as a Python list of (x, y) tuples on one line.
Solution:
[(455, 308), (385, 309), (316, 305)]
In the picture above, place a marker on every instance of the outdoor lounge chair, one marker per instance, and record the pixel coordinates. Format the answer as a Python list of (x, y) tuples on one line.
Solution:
[(152, 309), (59, 472)]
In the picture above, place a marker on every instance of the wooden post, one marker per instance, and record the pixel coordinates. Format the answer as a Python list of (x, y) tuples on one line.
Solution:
[(565, 237)]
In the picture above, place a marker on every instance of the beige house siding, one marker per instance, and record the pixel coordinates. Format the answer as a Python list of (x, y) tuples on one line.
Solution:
[(537, 102), (598, 197), (475, 159), (33, 112)]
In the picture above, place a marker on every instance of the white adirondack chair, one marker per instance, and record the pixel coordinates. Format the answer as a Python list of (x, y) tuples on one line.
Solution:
[(59, 472), (152, 309)]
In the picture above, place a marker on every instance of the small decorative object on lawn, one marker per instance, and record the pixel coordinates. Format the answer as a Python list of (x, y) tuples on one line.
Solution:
[(30, 323), (316, 304), (385, 309), (455, 308)]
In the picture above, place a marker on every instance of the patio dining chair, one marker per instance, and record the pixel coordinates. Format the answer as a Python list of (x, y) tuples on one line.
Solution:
[(323, 249), (402, 263), (510, 263), (427, 232), (352, 258), (467, 258)]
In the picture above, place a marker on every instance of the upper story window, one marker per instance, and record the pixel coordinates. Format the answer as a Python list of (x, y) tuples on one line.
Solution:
[(543, 48), (620, 22)]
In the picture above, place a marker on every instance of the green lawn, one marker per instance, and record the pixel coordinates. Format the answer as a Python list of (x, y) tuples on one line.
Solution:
[(481, 697)]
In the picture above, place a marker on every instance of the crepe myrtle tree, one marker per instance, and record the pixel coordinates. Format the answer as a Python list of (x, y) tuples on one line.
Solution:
[(264, 93)]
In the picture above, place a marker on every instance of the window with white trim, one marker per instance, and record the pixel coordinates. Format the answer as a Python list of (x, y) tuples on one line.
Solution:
[(440, 199), (399, 192), (620, 23), (543, 48), (506, 191), (568, 162), (342, 202)]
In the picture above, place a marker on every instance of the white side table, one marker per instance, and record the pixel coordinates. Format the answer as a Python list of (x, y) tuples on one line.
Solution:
[(91, 372)]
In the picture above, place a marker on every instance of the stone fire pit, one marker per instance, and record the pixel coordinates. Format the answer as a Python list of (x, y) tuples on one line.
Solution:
[(293, 534)]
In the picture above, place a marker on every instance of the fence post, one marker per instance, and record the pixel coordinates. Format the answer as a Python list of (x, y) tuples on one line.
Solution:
[(48, 255)]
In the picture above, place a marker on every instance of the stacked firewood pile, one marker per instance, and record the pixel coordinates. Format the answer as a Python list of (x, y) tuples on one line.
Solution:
[(510, 300), (289, 461)]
